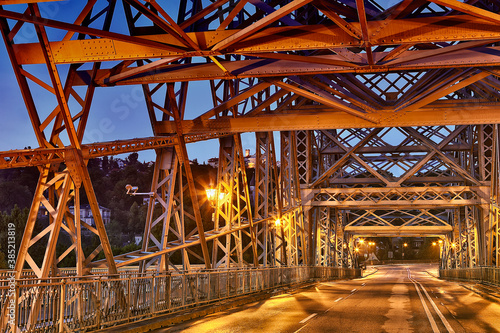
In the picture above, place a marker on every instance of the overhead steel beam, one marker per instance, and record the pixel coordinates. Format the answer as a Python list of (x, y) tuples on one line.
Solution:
[(397, 198), (386, 231), (43, 156), (428, 116), (113, 46)]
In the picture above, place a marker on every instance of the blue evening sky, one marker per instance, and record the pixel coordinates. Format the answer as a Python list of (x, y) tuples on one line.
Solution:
[(116, 113)]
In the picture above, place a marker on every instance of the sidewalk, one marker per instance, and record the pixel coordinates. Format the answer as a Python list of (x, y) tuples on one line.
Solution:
[(487, 291)]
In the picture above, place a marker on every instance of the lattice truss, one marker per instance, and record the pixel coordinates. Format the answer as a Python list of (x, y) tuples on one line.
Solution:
[(404, 181), (426, 68)]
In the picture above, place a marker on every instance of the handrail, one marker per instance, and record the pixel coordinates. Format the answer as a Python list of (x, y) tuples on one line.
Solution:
[(481, 274), (91, 302)]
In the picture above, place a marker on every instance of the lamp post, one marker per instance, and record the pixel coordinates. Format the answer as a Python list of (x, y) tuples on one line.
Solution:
[(132, 190), (211, 195), (214, 196), (440, 244)]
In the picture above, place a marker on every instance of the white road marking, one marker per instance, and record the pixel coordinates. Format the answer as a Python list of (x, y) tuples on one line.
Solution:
[(338, 299), (424, 305), (363, 284), (306, 319), (353, 290), (443, 319)]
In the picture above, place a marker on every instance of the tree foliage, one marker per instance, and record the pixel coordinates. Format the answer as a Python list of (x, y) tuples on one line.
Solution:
[(109, 177)]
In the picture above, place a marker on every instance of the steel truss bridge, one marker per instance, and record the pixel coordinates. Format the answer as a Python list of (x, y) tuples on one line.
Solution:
[(387, 120)]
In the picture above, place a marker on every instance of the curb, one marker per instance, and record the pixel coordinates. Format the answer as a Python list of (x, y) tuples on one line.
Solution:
[(483, 294), (433, 275), (371, 273)]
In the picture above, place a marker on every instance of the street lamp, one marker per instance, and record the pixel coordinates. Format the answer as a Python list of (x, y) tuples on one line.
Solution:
[(132, 190), (405, 245), (213, 194)]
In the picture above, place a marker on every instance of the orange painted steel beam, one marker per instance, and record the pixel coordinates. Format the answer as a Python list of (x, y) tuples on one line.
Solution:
[(43, 156), (297, 120), (410, 231), (400, 198), (112, 46), (263, 68)]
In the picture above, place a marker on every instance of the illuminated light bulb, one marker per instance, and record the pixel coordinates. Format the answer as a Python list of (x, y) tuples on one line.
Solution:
[(211, 193)]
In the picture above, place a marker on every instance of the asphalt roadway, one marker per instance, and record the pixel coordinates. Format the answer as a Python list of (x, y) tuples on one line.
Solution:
[(397, 298)]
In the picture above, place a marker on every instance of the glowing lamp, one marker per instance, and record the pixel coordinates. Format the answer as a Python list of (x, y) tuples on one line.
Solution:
[(211, 194)]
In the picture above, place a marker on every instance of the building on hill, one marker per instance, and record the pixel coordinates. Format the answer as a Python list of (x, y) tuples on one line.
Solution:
[(213, 162), (87, 217)]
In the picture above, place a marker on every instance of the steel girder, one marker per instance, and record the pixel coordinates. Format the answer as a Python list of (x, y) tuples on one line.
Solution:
[(56, 189), (252, 36), (433, 181)]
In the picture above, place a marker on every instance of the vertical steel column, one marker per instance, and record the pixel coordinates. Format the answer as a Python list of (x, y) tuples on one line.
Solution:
[(291, 197), (340, 245), (233, 208), (167, 190), (265, 194), (323, 252), (471, 232), (62, 121)]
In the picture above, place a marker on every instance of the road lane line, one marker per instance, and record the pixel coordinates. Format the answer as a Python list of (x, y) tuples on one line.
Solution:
[(424, 305), (443, 319), (353, 290), (306, 319), (338, 299)]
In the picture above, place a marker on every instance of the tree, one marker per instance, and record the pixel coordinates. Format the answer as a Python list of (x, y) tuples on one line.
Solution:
[(133, 158), (135, 224), (12, 193)]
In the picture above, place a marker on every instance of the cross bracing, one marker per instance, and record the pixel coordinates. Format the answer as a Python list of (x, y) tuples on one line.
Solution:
[(385, 114)]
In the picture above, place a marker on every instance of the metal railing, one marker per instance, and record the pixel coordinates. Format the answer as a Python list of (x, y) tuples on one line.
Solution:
[(92, 302), (480, 274)]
